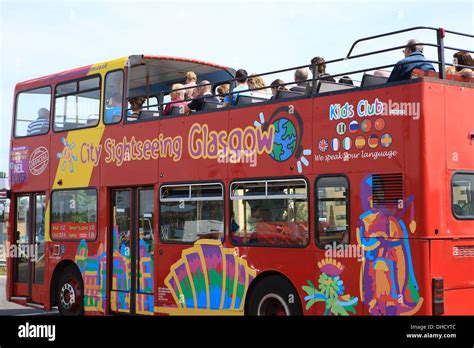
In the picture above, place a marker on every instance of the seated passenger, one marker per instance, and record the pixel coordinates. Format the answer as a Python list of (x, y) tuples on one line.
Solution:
[(113, 110), (190, 81), (414, 59), (321, 69), (301, 75), (346, 80), (463, 58), (257, 82), (203, 95), (136, 105), (241, 85), (277, 86), (222, 90), (381, 73), (41, 124), (177, 99)]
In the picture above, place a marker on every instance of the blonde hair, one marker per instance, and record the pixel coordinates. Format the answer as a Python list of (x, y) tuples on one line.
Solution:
[(223, 89), (257, 81), (191, 76), (177, 94)]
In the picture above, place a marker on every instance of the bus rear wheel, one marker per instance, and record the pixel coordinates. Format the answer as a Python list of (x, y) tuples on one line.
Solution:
[(274, 296), (70, 293)]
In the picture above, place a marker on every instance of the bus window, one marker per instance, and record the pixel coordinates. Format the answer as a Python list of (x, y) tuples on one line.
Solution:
[(22, 237), (77, 104), (332, 210), (32, 112), (74, 214), (146, 207), (39, 235), (273, 212), (113, 97), (462, 193), (191, 212)]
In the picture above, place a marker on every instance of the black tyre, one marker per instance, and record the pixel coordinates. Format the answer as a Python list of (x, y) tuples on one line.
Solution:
[(70, 292), (273, 296)]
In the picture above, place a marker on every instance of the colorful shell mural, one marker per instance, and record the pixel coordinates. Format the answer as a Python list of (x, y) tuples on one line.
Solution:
[(210, 277)]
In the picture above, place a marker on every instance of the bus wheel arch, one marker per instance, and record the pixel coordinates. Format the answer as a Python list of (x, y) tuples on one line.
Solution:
[(67, 289), (272, 293)]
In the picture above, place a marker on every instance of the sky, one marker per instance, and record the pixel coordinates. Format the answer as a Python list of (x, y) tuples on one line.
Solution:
[(38, 38)]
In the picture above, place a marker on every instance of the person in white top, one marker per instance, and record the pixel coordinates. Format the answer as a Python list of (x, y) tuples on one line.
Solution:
[(255, 81)]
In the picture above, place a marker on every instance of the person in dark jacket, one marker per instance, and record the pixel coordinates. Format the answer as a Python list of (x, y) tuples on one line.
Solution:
[(204, 95), (414, 59)]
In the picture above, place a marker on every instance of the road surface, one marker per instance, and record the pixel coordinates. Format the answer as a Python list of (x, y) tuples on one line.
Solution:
[(8, 308)]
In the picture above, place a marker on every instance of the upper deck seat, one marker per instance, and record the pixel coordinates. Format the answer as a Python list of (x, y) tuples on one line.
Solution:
[(281, 94), (246, 100), (327, 86), (299, 89), (177, 110), (372, 80), (209, 105), (148, 115)]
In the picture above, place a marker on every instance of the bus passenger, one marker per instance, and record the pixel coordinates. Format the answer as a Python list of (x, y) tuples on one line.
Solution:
[(321, 70), (382, 73), (136, 105), (190, 81), (113, 110), (222, 90), (203, 95), (255, 81), (41, 124), (277, 86), (414, 59), (346, 80), (463, 58), (177, 99), (241, 85), (301, 75)]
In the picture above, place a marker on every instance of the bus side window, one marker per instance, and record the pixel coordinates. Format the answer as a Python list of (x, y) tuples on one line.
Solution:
[(332, 210), (462, 193), (113, 104), (77, 104), (32, 112), (189, 212), (270, 212)]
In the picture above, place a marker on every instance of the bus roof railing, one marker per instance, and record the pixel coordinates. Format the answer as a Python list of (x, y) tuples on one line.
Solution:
[(440, 62)]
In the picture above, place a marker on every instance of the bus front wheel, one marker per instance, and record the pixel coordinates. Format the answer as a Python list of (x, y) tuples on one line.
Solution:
[(70, 292), (274, 296)]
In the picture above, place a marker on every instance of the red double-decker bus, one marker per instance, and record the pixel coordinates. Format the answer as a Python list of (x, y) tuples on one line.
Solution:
[(333, 199)]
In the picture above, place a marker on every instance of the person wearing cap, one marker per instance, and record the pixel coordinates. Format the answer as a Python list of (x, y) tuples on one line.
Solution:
[(41, 124)]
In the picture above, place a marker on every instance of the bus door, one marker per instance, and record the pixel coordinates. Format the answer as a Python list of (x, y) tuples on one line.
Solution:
[(29, 241), (132, 249)]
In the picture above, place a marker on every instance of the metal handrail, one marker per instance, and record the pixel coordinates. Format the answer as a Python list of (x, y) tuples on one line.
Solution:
[(440, 62)]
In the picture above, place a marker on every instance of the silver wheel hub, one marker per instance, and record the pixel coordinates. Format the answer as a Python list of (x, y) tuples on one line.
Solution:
[(272, 300), (68, 296)]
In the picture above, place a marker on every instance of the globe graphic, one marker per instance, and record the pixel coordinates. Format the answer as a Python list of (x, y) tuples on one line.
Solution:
[(284, 144)]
